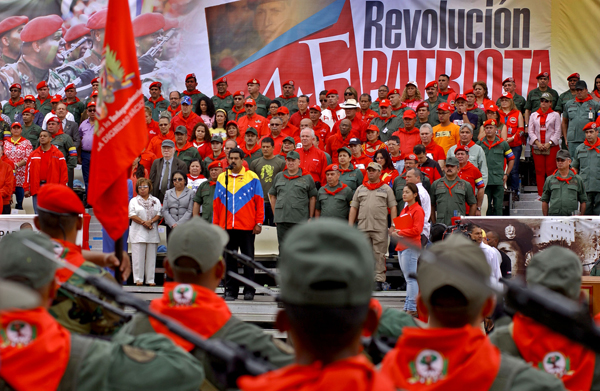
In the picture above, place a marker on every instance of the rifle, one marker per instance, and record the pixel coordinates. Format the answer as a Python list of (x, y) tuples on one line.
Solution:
[(235, 360), (153, 51), (68, 52), (246, 260)]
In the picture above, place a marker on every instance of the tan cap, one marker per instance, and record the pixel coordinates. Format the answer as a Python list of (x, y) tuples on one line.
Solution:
[(17, 296), (374, 165)]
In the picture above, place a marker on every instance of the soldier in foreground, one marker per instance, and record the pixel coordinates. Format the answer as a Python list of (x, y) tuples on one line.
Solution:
[(454, 353), (326, 309)]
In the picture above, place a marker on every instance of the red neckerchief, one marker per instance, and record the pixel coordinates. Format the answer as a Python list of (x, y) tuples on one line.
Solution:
[(595, 146), (553, 353), (227, 93), (337, 190), (187, 146), (70, 253), (450, 187), (60, 131), (403, 130), (194, 306), (19, 102), (186, 92), (71, 103), (41, 101), (337, 107), (34, 349), (211, 183), (349, 169), (243, 110), (222, 155), (195, 177), (154, 102), (543, 116), (470, 144), (564, 179), (283, 97), (290, 177), (589, 97), (448, 92), (250, 152), (396, 158), (442, 359), (373, 186), (493, 144), (410, 100), (354, 373), (386, 119), (174, 111), (402, 105)]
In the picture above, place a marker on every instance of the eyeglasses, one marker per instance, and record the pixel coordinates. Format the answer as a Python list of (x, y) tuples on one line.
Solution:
[(177, 179), (274, 125), (142, 187)]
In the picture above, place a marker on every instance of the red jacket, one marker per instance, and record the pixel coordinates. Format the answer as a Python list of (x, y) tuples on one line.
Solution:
[(411, 232), (335, 142), (408, 140), (359, 128), (155, 144), (258, 122), (436, 152), (153, 130), (292, 131), (7, 181), (323, 131), (297, 117), (313, 162), (188, 122), (57, 170)]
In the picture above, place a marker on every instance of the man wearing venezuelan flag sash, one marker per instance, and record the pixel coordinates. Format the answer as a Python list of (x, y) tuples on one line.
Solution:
[(238, 208)]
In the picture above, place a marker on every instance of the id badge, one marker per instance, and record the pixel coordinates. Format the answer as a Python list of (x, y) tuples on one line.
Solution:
[(385, 130), (591, 115)]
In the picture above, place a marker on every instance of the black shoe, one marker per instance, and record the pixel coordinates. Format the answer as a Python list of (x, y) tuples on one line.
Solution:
[(248, 296), (230, 296), (378, 286)]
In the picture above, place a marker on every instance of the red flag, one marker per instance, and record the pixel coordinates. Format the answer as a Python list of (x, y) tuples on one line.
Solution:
[(121, 133)]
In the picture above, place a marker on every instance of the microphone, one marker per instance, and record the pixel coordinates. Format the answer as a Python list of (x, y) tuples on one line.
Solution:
[(229, 167)]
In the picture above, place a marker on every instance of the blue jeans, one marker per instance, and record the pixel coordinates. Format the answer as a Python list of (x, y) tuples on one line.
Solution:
[(86, 158), (514, 174), (34, 199), (408, 264), (20, 193)]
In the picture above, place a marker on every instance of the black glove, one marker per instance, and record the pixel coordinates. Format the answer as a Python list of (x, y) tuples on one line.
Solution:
[(86, 77), (147, 64)]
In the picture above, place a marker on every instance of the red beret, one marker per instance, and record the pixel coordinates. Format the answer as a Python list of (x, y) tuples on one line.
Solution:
[(54, 119), (288, 82), (16, 125), (16, 85), (444, 106), (491, 107), (231, 123), (384, 103), (459, 96), (506, 95), (12, 22), (147, 24), (76, 32), (68, 87), (373, 128), (94, 93), (543, 74), (590, 125), (490, 122), (409, 114), (42, 84), (156, 84), (191, 75), (469, 92), (91, 104), (332, 167), (221, 80), (332, 92), (55, 99), (253, 81), (95, 80), (431, 84), (460, 147), (574, 76), (29, 97), (171, 23), (394, 91), (249, 102), (29, 110), (238, 93), (412, 156), (283, 110), (58, 198), (508, 79), (98, 20), (316, 107), (214, 163), (423, 104), (41, 27)]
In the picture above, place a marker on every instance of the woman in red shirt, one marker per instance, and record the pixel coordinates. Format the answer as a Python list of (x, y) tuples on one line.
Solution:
[(200, 138), (388, 171), (411, 220)]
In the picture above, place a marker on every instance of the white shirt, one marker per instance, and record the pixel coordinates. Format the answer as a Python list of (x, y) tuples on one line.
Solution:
[(137, 232), (330, 119), (69, 117), (426, 205), (494, 259)]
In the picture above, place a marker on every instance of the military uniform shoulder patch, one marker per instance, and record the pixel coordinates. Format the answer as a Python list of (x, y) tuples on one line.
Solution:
[(139, 355)]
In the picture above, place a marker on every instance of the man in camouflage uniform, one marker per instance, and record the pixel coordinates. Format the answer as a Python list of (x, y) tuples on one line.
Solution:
[(42, 43), (10, 40)]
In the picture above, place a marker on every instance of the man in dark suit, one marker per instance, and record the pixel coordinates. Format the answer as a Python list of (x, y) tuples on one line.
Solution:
[(72, 129), (163, 168)]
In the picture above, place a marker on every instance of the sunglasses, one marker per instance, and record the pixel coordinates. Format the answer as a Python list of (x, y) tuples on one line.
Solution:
[(322, 100), (348, 93), (91, 110), (177, 179), (544, 100), (560, 160), (274, 125)]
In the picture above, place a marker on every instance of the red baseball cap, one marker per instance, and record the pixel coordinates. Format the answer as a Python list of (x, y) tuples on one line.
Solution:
[(58, 198), (332, 167), (253, 81), (316, 107), (249, 102), (491, 107), (15, 125), (507, 80), (574, 76), (384, 103), (463, 148), (288, 82), (55, 99), (231, 123), (221, 80), (373, 128), (490, 122), (506, 95), (463, 97), (409, 114), (29, 97), (332, 92), (469, 92), (444, 106), (283, 110), (543, 74), (431, 84), (94, 93), (91, 104)]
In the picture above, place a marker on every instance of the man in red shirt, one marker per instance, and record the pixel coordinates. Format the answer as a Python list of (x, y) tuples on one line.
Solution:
[(238, 110), (312, 160), (186, 117), (339, 140), (433, 150), (429, 167), (276, 135), (471, 174), (151, 125), (359, 127), (251, 119), (174, 103), (409, 135), (359, 159), (302, 112), (164, 124), (321, 129), (365, 112), (288, 129)]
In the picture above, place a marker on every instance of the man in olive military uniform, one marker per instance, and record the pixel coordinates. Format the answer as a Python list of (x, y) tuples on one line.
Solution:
[(564, 190), (31, 131), (450, 194), (191, 299), (10, 40), (68, 360), (510, 86), (157, 103), (369, 210), (15, 104), (262, 102), (334, 198), (325, 273), (223, 99), (586, 161), (577, 113), (43, 102), (74, 105), (410, 162), (568, 94), (534, 97), (42, 39), (185, 150), (203, 200), (190, 90), (288, 98), (456, 306), (64, 143), (496, 151), (293, 196), (557, 269), (387, 123)]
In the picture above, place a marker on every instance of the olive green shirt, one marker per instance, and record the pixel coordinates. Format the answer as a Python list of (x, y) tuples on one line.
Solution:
[(64, 143), (44, 108), (266, 169), (586, 162), (160, 107), (12, 111), (254, 156), (563, 197), (32, 133), (187, 155), (563, 99), (519, 102), (400, 182), (578, 115), (448, 206), (262, 105), (293, 197), (392, 322), (76, 109), (195, 98), (387, 126), (534, 99), (434, 120), (337, 205), (494, 158), (290, 103), (204, 197), (225, 103), (353, 178)]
